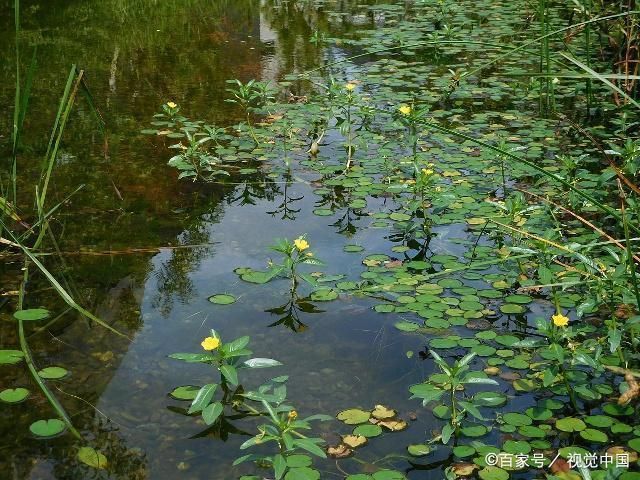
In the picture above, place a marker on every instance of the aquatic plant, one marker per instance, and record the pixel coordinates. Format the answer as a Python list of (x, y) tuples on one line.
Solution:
[(451, 381), (229, 359)]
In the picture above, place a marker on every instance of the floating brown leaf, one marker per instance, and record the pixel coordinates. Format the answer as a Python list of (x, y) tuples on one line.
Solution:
[(339, 451)]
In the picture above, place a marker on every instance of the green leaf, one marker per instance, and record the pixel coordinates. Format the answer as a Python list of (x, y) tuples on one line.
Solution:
[(354, 416), (570, 424), (447, 432), (92, 457), (185, 392), (47, 428), (279, 466), (31, 315), (203, 398), (324, 295), (368, 431), (211, 412), (10, 357), (222, 299), (262, 363), (193, 357), (230, 373), (593, 435), (388, 475), (14, 395), (419, 450), (53, 373), (294, 461), (308, 445), (302, 473)]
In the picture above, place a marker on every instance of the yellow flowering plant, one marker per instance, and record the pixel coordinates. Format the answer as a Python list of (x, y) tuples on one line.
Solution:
[(567, 361), (284, 430), (171, 109), (295, 252), (228, 358)]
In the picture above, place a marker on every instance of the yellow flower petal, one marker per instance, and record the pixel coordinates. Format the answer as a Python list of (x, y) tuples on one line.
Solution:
[(350, 86), (301, 244), (405, 109), (210, 343), (560, 320), (171, 105)]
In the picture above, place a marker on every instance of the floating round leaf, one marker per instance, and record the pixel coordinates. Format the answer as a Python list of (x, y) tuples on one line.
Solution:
[(33, 314), (10, 357), (302, 473), (354, 441), (298, 461), (381, 412), (53, 373), (14, 395), (388, 475), (475, 431), (47, 428), (463, 451), (493, 473), (419, 450), (517, 419), (593, 435), (354, 416), (323, 212), (92, 457), (368, 431), (324, 295), (570, 424), (511, 308), (222, 299)]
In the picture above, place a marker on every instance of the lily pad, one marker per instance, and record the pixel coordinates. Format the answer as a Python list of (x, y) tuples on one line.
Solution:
[(14, 395), (47, 428), (368, 431), (53, 373), (10, 357), (222, 299), (419, 450), (92, 457), (570, 424), (31, 315), (324, 295), (354, 416)]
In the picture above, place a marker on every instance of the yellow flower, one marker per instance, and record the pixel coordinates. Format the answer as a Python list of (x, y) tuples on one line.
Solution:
[(301, 244), (293, 415), (171, 105), (210, 343), (427, 171), (350, 86), (405, 109), (560, 320)]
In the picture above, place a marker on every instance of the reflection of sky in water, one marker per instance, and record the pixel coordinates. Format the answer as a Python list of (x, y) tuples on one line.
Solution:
[(349, 356)]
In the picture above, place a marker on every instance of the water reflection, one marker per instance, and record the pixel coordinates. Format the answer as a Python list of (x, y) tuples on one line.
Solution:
[(137, 56)]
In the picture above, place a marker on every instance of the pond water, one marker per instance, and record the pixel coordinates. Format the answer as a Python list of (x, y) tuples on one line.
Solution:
[(144, 251)]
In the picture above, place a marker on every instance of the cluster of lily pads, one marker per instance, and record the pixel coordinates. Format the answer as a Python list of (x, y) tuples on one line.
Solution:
[(536, 292)]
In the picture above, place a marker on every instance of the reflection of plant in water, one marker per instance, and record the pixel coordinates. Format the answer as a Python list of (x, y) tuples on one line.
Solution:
[(451, 382), (284, 208), (173, 274), (289, 312)]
